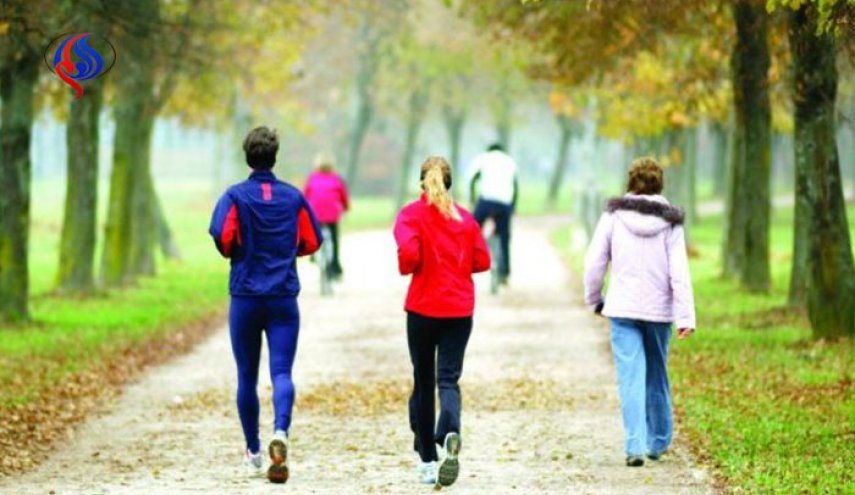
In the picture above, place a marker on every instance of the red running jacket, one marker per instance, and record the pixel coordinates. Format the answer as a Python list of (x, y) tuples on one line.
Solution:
[(442, 254)]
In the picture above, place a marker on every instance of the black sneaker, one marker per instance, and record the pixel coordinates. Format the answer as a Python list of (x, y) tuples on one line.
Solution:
[(450, 467), (654, 456), (278, 449), (635, 461)]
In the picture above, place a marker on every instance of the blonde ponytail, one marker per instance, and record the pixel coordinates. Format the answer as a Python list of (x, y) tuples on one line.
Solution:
[(436, 178)]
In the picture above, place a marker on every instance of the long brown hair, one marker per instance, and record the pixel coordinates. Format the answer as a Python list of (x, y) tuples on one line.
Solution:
[(436, 180)]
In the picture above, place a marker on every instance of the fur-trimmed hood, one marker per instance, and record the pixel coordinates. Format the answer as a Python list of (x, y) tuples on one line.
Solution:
[(645, 215)]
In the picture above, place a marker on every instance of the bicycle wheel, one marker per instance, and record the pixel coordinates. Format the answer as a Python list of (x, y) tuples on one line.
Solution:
[(324, 259), (496, 255)]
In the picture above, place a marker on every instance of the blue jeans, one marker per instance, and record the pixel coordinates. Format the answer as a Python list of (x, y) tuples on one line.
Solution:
[(640, 350), (279, 317)]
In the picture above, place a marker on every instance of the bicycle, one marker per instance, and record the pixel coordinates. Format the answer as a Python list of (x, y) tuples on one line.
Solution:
[(324, 259)]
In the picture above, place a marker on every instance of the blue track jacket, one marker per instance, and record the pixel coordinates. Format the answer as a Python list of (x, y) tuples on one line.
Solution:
[(263, 224)]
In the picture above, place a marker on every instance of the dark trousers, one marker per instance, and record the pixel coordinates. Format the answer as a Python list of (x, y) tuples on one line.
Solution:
[(336, 265), (437, 346), (279, 317), (500, 213)]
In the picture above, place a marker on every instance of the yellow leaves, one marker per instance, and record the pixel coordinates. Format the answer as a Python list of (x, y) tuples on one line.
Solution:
[(4, 28), (675, 156), (782, 119), (562, 104), (678, 118)]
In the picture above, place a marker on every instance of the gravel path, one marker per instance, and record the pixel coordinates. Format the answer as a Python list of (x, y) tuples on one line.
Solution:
[(540, 406)]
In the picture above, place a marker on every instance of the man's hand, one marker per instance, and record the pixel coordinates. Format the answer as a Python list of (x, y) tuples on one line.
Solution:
[(684, 332)]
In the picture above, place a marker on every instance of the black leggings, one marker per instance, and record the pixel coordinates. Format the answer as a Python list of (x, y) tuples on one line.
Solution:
[(437, 346)]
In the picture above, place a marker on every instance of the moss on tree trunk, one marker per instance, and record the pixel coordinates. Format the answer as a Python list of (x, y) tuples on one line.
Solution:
[(746, 246), (130, 229), (17, 82), (144, 227), (830, 273), (77, 245)]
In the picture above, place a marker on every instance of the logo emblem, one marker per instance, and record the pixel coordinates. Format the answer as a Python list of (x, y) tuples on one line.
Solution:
[(78, 57)]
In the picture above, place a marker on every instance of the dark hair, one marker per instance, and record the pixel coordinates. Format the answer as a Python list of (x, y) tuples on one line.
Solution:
[(645, 176), (496, 147), (260, 146)]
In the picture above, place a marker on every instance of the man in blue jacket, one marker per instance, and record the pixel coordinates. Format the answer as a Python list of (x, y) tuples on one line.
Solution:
[(263, 224)]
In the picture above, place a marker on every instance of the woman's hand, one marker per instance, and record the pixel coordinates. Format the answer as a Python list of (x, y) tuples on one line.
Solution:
[(684, 332)]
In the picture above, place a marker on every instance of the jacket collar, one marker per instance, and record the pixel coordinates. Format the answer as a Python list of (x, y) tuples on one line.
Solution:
[(647, 205), (264, 175)]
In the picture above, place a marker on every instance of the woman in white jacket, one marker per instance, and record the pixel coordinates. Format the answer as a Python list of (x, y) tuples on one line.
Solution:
[(641, 236)]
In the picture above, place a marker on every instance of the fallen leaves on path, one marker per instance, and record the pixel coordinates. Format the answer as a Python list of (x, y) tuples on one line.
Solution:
[(29, 431), (385, 396)]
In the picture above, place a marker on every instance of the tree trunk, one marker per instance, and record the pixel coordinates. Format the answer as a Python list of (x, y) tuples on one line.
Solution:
[(165, 239), (17, 82), (690, 161), (747, 237), (799, 271), (679, 175), (503, 123), (118, 228), (720, 139), (129, 231), (560, 167), (415, 117), (831, 274), (77, 245), (143, 208), (454, 121), (364, 114), (367, 69)]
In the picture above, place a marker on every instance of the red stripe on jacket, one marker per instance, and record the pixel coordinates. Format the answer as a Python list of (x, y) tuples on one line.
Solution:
[(231, 231), (307, 238)]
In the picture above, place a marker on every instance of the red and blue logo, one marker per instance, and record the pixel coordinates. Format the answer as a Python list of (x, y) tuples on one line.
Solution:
[(79, 57)]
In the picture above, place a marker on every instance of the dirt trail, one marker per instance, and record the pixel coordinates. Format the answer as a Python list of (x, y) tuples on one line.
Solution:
[(540, 406)]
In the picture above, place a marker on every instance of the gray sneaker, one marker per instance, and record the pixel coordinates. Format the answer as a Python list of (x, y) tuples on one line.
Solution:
[(449, 469)]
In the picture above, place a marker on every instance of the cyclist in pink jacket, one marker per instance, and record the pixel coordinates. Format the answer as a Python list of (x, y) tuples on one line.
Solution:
[(327, 194), (641, 236)]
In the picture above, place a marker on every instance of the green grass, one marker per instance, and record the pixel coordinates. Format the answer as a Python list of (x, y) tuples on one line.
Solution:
[(69, 334), (772, 410)]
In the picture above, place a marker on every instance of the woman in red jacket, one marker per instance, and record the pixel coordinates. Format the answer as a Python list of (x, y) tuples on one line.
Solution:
[(441, 245)]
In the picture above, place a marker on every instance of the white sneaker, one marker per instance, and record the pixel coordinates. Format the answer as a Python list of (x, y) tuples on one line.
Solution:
[(450, 467), (427, 472), (278, 450), (253, 463)]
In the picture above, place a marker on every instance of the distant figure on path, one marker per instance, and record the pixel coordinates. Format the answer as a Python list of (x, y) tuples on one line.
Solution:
[(327, 194), (263, 224), (494, 177), (641, 235), (441, 245)]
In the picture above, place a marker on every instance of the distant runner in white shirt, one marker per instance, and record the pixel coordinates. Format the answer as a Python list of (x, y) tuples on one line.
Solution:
[(494, 177)]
